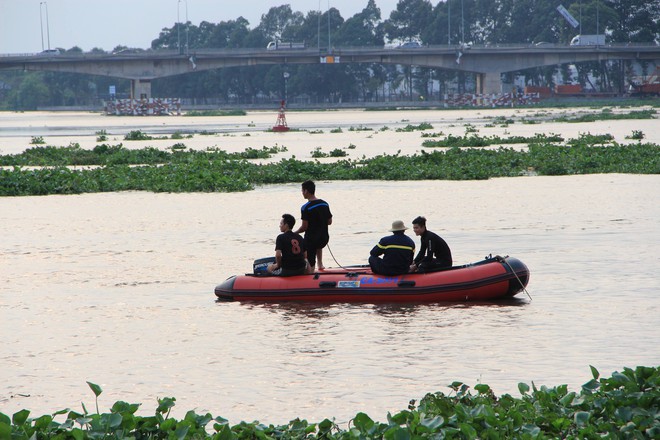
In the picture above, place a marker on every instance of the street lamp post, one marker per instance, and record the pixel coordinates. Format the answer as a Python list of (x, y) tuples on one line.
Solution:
[(448, 23), (286, 77), (329, 46), (187, 27), (178, 26), (41, 27), (45, 5), (462, 24)]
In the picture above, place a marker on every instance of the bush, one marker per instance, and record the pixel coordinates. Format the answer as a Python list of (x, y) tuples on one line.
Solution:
[(137, 135)]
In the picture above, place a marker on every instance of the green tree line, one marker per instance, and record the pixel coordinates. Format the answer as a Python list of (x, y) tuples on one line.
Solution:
[(421, 21)]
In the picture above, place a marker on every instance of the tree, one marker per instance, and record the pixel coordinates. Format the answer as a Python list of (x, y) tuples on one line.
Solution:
[(363, 29), (408, 20), (637, 20), (279, 22), (31, 93)]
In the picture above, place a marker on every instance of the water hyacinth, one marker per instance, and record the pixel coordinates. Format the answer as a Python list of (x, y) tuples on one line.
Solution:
[(624, 405), (215, 170)]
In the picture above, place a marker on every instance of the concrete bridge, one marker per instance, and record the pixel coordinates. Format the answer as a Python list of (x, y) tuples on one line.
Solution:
[(487, 62)]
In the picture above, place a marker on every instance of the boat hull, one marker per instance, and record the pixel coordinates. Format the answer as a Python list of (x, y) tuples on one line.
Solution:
[(490, 279)]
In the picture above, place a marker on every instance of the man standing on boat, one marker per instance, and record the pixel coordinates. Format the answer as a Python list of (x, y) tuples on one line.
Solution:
[(316, 217), (434, 253), (397, 249), (290, 255)]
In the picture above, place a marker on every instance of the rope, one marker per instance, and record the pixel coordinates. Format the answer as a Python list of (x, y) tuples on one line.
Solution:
[(333, 257), (337, 263), (516, 275)]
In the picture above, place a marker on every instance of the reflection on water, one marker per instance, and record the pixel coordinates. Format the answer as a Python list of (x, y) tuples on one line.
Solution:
[(117, 289)]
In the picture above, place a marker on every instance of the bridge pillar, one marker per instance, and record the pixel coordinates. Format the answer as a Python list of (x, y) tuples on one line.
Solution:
[(489, 82), (140, 88)]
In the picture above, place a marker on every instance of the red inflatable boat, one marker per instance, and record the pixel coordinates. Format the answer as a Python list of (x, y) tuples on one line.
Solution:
[(493, 278)]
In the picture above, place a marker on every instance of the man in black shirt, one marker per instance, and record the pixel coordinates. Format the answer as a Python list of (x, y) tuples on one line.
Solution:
[(397, 250), (290, 255), (316, 217), (434, 253)]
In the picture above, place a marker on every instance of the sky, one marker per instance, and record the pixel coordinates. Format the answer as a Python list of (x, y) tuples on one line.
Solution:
[(134, 23)]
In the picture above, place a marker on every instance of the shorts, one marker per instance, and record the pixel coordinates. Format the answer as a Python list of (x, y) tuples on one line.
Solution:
[(282, 272), (312, 245)]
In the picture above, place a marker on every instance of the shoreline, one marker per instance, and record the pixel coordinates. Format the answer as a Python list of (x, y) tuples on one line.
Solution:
[(371, 133)]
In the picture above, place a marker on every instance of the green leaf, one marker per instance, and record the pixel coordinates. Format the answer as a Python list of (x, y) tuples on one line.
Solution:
[(77, 434), (181, 432), (401, 417), (95, 388), (532, 430), (325, 425), (168, 425), (221, 420), (468, 430), (363, 422), (114, 420), (42, 423), (165, 404), (482, 388), (223, 432), (5, 430), (397, 433), (567, 399), (581, 418), (590, 386), (83, 420), (434, 423), (624, 414), (523, 388), (20, 417), (594, 372)]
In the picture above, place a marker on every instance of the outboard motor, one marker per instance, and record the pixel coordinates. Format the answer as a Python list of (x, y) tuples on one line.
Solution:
[(261, 264)]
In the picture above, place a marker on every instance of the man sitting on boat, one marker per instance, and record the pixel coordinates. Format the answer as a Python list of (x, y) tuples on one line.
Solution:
[(290, 254), (397, 249), (434, 253)]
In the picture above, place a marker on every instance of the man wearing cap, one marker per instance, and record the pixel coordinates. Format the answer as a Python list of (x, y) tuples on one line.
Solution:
[(397, 249)]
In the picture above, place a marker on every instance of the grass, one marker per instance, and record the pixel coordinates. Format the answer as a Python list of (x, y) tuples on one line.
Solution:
[(624, 405), (216, 113)]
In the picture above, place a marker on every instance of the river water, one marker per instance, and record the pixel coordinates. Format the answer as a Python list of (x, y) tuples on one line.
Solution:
[(117, 289)]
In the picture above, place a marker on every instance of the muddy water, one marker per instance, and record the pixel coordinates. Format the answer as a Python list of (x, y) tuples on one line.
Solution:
[(117, 289)]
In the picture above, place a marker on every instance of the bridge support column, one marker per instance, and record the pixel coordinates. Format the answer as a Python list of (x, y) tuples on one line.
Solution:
[(489, 83), (140, 88)]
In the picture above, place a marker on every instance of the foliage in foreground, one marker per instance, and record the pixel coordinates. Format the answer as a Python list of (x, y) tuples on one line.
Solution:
[(217, 171), (625, 405)]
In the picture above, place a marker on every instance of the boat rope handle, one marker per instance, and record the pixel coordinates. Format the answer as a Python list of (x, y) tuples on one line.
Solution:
[(516, 275)]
